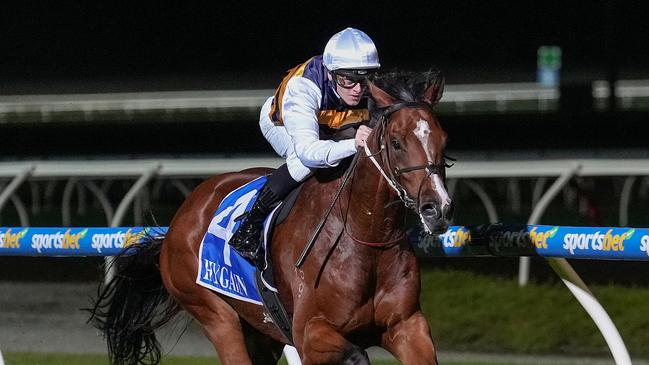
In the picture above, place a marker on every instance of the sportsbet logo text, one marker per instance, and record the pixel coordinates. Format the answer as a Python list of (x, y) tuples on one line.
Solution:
[(457, 238), (58, 240), (644, 244), (597, 241), (540, 239), (11, 240), (115, 240)]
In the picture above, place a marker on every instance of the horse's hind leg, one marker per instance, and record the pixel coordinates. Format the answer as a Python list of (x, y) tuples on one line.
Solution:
[(218, 320), (222, 326), (231, 338)]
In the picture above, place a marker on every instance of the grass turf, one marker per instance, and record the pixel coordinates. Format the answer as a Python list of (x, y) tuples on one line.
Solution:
[(478, 313)]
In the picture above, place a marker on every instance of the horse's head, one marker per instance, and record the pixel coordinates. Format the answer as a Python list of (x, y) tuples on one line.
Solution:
[(411, 143)]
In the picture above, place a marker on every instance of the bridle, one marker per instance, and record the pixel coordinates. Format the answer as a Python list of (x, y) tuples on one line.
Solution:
[(392, 175)]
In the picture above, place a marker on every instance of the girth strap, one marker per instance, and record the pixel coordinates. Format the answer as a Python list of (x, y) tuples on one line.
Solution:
[(275, 309)]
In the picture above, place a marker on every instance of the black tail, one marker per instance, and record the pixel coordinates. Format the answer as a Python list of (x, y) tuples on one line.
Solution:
[(133, 304)]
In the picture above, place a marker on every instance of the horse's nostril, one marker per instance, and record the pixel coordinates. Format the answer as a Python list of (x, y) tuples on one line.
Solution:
[(429, 210)]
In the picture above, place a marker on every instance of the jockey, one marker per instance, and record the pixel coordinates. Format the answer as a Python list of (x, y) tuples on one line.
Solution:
[(322, 96)]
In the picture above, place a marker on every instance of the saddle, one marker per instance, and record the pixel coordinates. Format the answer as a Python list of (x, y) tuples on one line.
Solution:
[(224, 271)]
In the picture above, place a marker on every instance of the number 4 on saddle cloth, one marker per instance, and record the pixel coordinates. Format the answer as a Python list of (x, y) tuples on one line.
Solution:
[(223, 270)]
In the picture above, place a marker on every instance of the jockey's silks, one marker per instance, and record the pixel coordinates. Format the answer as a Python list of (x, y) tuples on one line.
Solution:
[(333, 113)]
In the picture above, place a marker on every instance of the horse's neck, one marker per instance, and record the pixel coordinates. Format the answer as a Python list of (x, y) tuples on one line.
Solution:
[(368, 217)]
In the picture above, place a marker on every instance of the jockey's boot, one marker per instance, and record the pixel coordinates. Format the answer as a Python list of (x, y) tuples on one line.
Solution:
[(247, 238)]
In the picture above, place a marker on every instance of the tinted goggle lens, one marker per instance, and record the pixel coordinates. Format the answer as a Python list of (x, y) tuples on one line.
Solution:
[(349, 81)]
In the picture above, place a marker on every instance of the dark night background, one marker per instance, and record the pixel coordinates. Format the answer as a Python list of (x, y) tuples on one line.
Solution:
[(66, 47), (43, 40)]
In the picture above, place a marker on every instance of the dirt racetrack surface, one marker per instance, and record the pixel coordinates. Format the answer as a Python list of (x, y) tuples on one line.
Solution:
[(46, 317)]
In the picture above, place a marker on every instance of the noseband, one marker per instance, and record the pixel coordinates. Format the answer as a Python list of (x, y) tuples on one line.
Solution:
[(393, 174)]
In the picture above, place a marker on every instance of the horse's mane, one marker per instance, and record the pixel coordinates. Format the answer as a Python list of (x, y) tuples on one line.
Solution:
[(407, 86)]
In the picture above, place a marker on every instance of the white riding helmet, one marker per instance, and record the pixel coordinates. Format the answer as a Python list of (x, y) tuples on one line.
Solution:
[(350, 49)]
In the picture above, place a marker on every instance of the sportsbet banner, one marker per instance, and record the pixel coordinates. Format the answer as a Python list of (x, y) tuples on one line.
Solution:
[(608, 243), (86, 241)]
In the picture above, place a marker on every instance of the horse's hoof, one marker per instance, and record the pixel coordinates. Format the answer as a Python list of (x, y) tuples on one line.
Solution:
[(356, 356)]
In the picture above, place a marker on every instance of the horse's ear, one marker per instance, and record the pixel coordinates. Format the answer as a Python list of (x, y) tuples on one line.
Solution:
[(382, 98), (434, 92)]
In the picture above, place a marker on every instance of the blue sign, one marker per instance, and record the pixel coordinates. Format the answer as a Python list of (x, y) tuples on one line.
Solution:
[(609, 243), (70, 241), (606, 243)]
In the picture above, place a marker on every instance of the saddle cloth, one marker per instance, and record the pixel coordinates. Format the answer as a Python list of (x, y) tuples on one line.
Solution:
[(221, 268)]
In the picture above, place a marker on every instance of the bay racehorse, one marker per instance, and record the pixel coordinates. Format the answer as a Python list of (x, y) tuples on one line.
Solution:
[(359, 286)]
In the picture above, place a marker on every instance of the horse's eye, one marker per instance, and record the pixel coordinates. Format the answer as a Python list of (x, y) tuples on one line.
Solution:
[(395, 144)]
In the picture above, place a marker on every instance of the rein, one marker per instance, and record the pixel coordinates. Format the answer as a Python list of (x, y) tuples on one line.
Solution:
[(380, 245), (314, 236), (383, 245)]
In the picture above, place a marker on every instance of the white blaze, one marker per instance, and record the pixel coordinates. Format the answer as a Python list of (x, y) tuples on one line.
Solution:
[(422, 131), (439, 187)]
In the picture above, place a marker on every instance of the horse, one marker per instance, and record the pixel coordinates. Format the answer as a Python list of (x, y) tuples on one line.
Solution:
[(358, 287)]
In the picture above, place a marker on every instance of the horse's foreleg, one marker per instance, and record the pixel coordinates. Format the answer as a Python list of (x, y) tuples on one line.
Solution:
[(409, 341), (322, 344)]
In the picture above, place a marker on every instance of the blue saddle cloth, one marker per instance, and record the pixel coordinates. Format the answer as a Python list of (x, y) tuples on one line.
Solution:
[(220, 267)]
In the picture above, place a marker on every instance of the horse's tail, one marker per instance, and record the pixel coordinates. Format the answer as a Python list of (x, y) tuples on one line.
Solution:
[(133, 304)]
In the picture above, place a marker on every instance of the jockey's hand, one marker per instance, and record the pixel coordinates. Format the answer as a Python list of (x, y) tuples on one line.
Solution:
[(361, 136)]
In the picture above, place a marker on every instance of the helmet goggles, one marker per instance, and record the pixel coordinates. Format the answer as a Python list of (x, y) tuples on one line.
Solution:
[(348, 79)]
